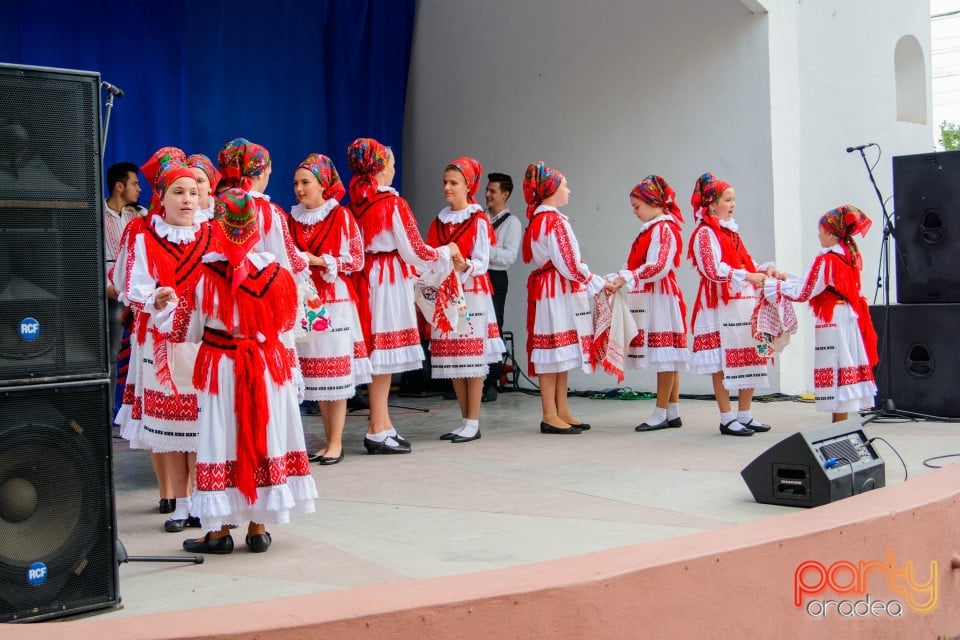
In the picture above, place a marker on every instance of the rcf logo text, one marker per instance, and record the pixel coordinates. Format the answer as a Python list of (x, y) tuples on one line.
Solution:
[(814, 582)]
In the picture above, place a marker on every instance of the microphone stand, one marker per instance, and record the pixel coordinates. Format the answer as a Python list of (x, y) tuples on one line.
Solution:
[(885, 407), (108, 107)]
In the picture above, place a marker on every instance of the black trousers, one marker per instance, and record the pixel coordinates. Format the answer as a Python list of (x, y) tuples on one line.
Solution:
[(500, 283)]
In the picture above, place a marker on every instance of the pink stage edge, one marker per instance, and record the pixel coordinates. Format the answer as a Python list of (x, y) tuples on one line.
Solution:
[(879, 565)]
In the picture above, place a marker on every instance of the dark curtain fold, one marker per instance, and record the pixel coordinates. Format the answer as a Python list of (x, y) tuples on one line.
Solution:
[(297, 77)]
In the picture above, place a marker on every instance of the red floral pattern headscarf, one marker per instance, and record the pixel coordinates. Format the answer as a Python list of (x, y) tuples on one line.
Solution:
[(236, 228), (326, 173), (539, 182), (844, 222), (240, 160), (655, 191), (206, 165), (365, 157), (707, 191), (471, 171), (151, 171)]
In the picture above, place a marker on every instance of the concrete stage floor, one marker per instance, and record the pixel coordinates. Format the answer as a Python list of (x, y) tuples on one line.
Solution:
[(513, 497)]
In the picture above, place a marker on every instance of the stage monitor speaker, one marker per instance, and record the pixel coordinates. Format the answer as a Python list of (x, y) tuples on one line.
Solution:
[(815, 467), (57, 513), (926, 196), (52, 298), (922, 357)]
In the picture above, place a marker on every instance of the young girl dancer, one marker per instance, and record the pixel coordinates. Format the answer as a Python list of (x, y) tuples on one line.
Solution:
[(845, 343), (655, 299), (333, 360), (251, 461), (465, 357), (723, 345), (162, 252), (394, 250), (559, 320)]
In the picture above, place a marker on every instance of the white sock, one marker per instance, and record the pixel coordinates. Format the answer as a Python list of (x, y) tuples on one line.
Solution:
[(744, 417), (673, 411), (390, 432), (658, 416), (730, 417), (182, 512), (469, 428), (377, 437)]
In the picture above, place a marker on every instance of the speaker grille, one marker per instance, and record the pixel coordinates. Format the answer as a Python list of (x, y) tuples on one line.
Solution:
[(56, 502), (52, 302)]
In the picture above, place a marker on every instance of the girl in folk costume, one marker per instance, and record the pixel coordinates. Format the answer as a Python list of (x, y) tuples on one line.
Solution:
[(394, 250), (465, 357), (655, 299), (333, 361), (559, 320), (845, 343), (723, 344), (251, 460), (160, 257), (207, 178)]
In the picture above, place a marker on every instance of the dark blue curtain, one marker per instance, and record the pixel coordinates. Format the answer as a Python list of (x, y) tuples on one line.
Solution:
[(295, 76)]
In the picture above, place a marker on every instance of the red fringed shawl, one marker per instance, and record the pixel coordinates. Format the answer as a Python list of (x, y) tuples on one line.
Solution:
[(465, 235), (264, 303), (638, 257), (540, 224), (844, 279), (732, 252), (375, 215)]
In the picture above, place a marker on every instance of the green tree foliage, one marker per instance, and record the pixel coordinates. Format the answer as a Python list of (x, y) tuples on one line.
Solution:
[(949, 136)]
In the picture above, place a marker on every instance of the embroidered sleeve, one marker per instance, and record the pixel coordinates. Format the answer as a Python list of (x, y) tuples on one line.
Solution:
[(298, 264), (707, 251), (354, 244), (662, 250), (410, 245), (140, 286), (479, 259), (565, 254), (800, 289)]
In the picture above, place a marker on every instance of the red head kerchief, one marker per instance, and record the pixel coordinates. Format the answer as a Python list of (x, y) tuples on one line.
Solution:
[(655, 191), (322, 167), (707, 191), (845, 222), (205, 164), (151, 170), (471, 171), (365, 157), (236, 227), (539, 182), (240, 160)]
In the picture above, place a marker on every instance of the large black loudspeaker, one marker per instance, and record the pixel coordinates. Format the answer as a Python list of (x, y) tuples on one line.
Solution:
[(815, 467), (57, 515), (926, 196), (921, 356), (52, 317)]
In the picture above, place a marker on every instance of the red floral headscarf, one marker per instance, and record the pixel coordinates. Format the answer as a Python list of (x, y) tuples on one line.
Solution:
[(844, 222), (240, 160), (236, 228), (365, 157), (707, 191), (539, 182), (655, 191), (151, 171), (471, 171), (205, 164), (322, 167)]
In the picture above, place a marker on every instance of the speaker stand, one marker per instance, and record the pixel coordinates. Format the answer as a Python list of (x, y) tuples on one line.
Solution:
[(122, 557)]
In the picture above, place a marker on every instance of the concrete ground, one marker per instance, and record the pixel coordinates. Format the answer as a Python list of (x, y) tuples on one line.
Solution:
[(513, 497)]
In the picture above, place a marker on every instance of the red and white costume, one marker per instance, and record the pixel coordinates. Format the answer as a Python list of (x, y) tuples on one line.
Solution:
[(559, 319), (655, 300), (334, 361), (467, 355), (722, 340), (394, 251), (843, 374), (251, 458), (156, 254)]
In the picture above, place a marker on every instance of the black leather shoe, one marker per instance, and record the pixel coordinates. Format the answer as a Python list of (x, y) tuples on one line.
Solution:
[(727, 431), (260, 542), (676, 423), (583, 426), (646, 426), (167, 505), (399, 438), (475, 436), (755, 426), (193, 521), (546, 428), (175, 525), (222, 545), (374, 447), (325, 461), (489, 393), (316, 457), (450, 435)]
